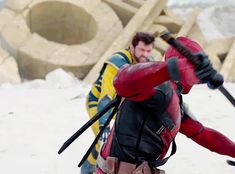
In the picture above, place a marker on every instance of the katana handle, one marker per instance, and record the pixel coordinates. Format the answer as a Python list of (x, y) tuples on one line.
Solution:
[(92, 146), (167, 37), (110, 105)]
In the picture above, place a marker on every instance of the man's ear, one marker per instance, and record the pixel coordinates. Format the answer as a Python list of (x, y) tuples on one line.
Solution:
[(131, 47)]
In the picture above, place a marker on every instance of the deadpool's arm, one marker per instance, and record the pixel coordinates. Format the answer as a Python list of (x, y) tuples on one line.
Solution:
[(137, 81), (206, 137)]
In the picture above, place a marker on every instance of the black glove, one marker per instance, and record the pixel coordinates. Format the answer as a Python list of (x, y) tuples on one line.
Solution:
[(205, 71), (216, 81)]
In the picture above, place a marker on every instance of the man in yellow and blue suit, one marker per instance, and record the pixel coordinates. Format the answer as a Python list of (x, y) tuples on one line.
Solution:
[(102, 91)]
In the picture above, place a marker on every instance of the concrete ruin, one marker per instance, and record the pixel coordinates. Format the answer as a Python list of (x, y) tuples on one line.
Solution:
[(44, 35), (79, 36), (8, 69)]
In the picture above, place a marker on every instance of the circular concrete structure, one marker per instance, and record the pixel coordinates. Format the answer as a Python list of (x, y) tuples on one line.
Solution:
[(69, 34), (70, 24)]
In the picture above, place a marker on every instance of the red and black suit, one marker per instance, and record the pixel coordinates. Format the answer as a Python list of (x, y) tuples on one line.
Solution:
[(144, 130), (153, 112)]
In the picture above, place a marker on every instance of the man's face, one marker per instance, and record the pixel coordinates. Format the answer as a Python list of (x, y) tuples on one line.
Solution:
[(141, 52)]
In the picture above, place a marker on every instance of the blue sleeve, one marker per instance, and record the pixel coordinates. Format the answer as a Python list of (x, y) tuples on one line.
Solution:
[(117, 61), (103, 102)]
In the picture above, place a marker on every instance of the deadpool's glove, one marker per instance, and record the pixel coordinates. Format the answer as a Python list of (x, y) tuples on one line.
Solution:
[(205, 71), (207, 74)]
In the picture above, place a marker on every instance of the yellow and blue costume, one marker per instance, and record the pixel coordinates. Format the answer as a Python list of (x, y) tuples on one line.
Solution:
[(102, 92)]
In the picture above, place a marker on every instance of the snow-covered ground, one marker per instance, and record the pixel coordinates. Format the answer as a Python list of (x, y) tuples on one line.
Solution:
[(38, 116)]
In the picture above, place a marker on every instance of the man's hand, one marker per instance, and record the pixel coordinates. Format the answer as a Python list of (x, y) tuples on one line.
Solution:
[(207, 74), (105, 134), (106, 131), (205, 71), (104, 101)]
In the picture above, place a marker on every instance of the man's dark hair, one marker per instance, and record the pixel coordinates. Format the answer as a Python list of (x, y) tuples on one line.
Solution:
[(147, 38)]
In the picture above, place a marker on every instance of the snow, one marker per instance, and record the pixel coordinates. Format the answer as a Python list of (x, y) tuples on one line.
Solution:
[(36, 118)]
